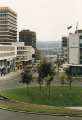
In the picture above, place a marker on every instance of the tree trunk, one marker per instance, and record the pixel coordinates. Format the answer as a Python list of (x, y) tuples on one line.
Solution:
[(58, 68), (40, 87), (70, 83), (49, 90), (27, 90)]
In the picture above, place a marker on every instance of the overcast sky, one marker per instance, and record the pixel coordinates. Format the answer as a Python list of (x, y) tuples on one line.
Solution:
[(49, 18)]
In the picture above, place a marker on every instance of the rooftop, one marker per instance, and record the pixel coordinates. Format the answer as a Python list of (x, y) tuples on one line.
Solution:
[(78, 31), (8, 9)]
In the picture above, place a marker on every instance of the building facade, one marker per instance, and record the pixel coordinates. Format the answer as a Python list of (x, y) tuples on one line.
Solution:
[(7, 57), (75, 53), (8, 26), (28, 37), (15, 56), (75, 47), (65, 48), (24, 53)]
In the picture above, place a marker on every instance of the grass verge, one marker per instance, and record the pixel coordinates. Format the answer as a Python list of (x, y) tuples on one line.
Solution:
[(31, 100), (43, 109), (60, 96)]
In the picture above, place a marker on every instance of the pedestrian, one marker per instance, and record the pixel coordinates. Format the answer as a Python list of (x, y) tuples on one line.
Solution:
[(4, 71), (1, 71)]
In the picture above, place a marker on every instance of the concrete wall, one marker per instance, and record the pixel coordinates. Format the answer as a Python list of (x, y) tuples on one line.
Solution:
[(73, 49)]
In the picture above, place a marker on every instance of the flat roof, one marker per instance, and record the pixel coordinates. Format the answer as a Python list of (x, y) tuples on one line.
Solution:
[(8, 9)]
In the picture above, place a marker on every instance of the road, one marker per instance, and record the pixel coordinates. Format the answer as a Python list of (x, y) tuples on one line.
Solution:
[(9, 115)]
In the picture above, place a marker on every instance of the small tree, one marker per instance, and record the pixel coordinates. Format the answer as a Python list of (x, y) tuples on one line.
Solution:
[(38, 54), (69, 76), (26, 77), (62, 78), (49, 80), (40, 81), (40, 75), (45, 71)]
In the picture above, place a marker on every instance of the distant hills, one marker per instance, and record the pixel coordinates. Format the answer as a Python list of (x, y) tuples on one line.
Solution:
[(49, 44), (50, 47)]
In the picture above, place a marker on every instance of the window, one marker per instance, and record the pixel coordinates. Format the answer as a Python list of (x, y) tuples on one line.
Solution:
[(80, 37)]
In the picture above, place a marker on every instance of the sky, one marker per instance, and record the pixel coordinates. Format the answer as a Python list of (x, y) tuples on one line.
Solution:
[(48, 18)]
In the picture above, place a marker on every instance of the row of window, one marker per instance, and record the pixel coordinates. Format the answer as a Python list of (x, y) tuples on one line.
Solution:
[(20, 48), (3, 14), (7, 37), (3, 48), (3, 18), (7, 14), (8, 40), (76, 70), (8, 33), (21, 52), (3, 22), (7, 54), (8, 19), (3, 29), (9, 27)]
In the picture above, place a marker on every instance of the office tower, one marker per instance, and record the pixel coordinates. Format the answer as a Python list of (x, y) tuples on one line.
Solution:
[(8, 26), (28, 37)]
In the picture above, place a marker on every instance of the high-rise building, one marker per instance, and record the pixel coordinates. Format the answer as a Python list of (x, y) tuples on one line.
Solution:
[(8, 26), (75, 47), (28, 37), (75, 53)]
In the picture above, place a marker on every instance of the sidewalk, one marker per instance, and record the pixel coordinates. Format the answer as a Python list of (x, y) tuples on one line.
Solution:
[(75, 108), (10, 75)]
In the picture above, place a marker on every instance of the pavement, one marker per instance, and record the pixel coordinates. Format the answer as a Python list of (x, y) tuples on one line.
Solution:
[(10, 75), (56, 82), (10, 115), (75, 108), (10, 80)]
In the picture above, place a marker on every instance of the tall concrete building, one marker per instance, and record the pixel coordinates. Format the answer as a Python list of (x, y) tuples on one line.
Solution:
[(8, 26), (75, 53), (28, 37), (75, 47)]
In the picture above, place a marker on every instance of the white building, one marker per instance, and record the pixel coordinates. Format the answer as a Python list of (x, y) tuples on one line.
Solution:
[(15, 53), (8, 25), (7, 57), (75, 48), (24, 53), (75, 53)]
